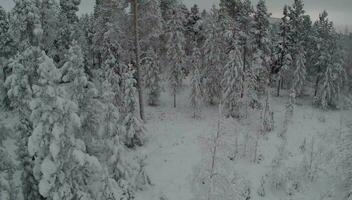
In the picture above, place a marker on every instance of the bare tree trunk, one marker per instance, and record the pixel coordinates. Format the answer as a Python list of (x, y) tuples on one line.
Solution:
[(244, 70), (136, 43), (316, 86), (214, 150), (174, 99), (278, 87)]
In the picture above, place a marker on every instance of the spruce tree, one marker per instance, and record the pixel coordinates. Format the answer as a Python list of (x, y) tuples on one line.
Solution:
[(284, 58), (261, 36), (62, 167), (300, 73), (133, 135), (152, 77), (215, 59), (232, 85), (25, 26), (175, 52), (296, 36), (196, 93), (68, 27), (48, 13), (19, 85), (73, 73), (324, 49), (332, 82), (193, 29), (151, 24)]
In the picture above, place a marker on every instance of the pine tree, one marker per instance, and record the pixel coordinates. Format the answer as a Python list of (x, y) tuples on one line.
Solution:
[(284, 58), (261, 36), (62, 167), (7, 169), (196, 93), (73, 73), (151, 24), (48, 13), (19, 83), (333, 80), (267, 114), (325, 47), (300, 73), (296, 37), (133, 135), (29, 184), (68, 27), (25, 25), (345, 163), (152, 77), (175, 52), (232, 85), (6, 40), (193, 29), (214, 49)]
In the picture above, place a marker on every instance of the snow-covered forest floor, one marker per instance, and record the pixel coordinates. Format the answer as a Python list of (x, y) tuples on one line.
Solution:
[(178, 147)]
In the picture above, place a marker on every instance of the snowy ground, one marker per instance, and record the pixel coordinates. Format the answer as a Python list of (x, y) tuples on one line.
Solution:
[(174, 148)]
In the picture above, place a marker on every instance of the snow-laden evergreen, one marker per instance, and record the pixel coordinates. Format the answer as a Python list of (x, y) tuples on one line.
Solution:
[(133, 133), (261, 34), (175, 53), (152, 77), (300, 73), (232, 85), (25, 26), (215, 58), (196, 96), (73, 73), (61, 164), (283, 56)]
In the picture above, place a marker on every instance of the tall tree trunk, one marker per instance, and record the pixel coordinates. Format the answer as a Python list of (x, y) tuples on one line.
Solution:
[(244, 69), (278, 87), (174, 99), (136, 44), (316, 86)]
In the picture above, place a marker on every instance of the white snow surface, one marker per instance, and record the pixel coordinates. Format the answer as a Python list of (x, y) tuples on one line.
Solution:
[(175, 147)]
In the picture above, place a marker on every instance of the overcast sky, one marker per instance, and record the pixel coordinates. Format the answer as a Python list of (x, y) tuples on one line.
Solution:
[(340, 11)]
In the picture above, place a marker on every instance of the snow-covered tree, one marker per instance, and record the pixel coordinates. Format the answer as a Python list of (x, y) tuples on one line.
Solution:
[(62, 167), (193, 29), (25, 26), (325, 47), (133, 135), (332, 84), (296, 13), (29, 184), (73, 73), (196, 93), (68, 20), (48, 13), (175, 52), (152, 77), (7, 169), (267, 115), (244, 21), (232, 85), (262, 44), (151, 23), (215, 57), (345, 159), (300, 73), (19, 83), (6, 40), (284, 58)]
